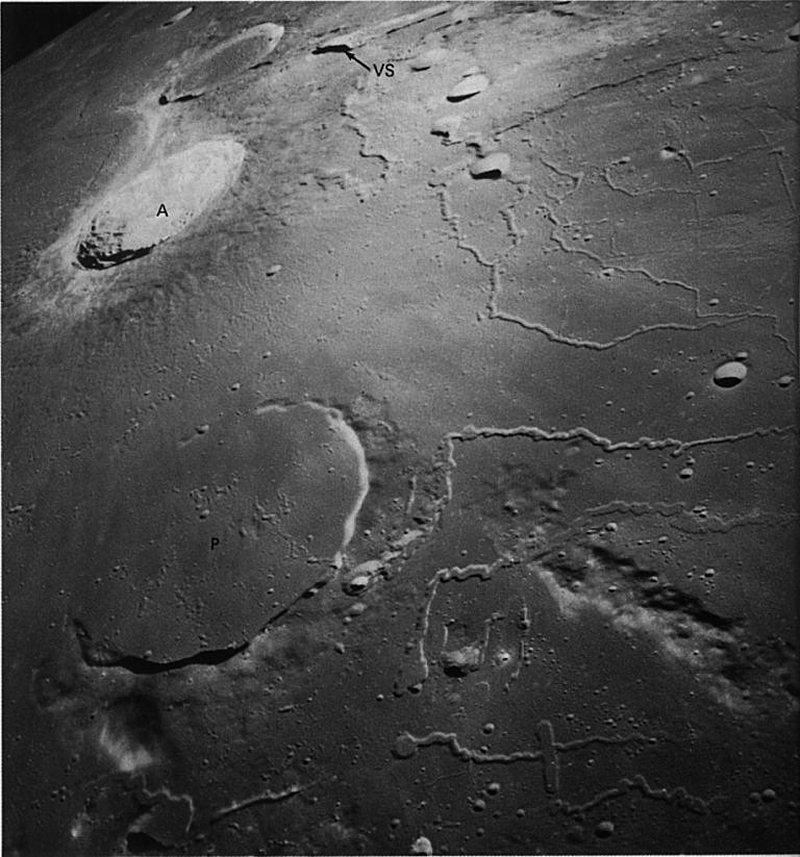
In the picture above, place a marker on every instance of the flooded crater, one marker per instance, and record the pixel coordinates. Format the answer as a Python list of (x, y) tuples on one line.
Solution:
[(226, 61), (218, 531)]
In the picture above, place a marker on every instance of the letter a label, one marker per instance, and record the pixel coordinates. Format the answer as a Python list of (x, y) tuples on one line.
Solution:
[(162, 209)]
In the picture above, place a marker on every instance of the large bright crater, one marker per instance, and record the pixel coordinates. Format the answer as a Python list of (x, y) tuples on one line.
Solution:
[(158, 204)]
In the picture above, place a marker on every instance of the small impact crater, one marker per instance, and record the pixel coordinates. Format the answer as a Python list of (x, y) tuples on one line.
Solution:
[(730, 374), (493, 166), (428, 59), (447, 127), (184, 13), (161, 202), (469, 86)]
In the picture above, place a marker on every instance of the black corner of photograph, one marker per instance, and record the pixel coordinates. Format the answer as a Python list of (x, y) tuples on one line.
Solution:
[(25, 27)]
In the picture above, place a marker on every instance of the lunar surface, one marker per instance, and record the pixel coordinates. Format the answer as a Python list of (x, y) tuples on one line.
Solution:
[(400, 430)]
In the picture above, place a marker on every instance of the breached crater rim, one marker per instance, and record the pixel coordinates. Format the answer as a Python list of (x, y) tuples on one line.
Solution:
[(336, 422)]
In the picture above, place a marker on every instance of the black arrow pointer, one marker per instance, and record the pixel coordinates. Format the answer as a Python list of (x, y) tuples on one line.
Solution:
[(352, 56)]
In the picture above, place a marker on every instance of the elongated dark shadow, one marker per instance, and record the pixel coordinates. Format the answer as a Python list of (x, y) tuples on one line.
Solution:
[(341, 48), (95, 655)]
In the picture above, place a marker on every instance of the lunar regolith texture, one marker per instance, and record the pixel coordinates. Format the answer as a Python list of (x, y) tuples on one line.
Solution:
[(400, 430)]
